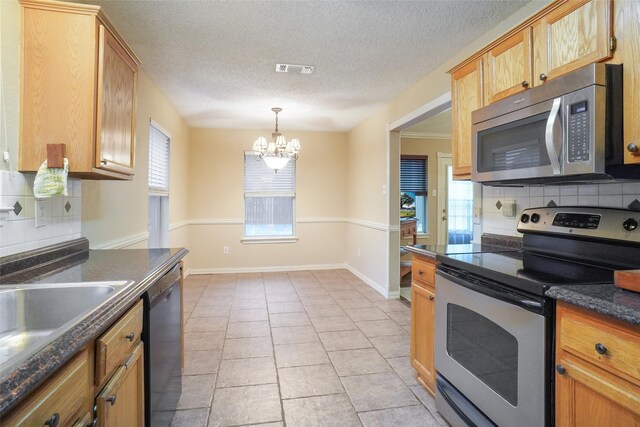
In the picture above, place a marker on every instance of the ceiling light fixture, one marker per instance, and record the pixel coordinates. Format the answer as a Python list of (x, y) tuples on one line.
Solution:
[(277, 153)]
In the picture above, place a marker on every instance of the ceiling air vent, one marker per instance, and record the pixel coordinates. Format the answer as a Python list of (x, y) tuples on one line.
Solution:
[(302, 69)]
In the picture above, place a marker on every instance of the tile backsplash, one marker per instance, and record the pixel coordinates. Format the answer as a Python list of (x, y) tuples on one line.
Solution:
[(18, 231), (609, 195)]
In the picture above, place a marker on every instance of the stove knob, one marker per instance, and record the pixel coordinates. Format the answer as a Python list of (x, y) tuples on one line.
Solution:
[(630, 224), (535, 218), (524, 218)]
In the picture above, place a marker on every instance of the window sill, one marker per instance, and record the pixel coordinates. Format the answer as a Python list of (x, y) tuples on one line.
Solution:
[(270, 239)]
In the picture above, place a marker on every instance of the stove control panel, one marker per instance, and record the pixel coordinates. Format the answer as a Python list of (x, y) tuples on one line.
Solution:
[(603, 223)]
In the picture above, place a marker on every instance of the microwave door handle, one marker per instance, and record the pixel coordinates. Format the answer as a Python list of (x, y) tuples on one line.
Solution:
[(553, 133)]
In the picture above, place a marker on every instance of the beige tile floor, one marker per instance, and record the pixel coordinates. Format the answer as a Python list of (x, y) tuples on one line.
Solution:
[(306, 348)]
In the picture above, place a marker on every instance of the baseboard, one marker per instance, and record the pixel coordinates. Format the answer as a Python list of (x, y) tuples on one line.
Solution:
[(267, 269), (379, 288), (124, 242)]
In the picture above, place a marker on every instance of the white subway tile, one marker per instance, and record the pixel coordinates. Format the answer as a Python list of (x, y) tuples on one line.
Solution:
[(588, 200), (552, 190), (28, 184), (56, 206), (631, 188), (498, 192), (11, 183), (568, 190), (588, 190), (77, 225), (536, 202), (510, 192), (610, 201), (487, 191), (610, 189), (15, 233), (568, 200), (536, 191), (522, 192), (34, 234)]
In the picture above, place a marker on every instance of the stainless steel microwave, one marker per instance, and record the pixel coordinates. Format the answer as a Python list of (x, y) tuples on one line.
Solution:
[(569, 129)]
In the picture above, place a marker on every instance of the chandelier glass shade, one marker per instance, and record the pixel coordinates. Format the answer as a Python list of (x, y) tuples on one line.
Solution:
[(277, 152)]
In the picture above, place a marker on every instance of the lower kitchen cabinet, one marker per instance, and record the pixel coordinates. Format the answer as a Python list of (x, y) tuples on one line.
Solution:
[(597, 370), (423, 306), (62, 401), (121, 402)]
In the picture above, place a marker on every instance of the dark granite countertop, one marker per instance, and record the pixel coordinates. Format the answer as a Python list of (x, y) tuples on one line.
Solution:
[(605, 299), (140, 266), (432, 251)]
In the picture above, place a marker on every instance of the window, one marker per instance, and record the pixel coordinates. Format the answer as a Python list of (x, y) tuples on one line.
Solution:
[(269, 198), (413, 189), (159, 141)]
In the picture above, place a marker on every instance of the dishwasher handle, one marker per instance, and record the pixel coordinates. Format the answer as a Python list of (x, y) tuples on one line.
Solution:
[(163, 285)]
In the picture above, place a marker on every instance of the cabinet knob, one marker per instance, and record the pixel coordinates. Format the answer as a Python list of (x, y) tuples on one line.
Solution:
[(112, 400), (103, 161), (543, 77), (633, 148), (525, 83), (420, 272), (561, 369), (53, 421), (431, 297), (130, 336), (601, 349)]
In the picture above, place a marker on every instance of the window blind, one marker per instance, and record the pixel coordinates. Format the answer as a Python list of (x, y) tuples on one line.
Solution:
[(158, 162), (413, 175), (260, 179)]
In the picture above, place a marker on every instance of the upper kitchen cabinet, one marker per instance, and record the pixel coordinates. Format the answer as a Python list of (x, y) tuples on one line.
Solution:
[(577, 33), (78, 88), (466, 96), (508, 67)]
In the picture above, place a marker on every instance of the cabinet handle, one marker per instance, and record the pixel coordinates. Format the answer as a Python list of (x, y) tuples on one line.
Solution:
[(543, 77), (601, 349), (525, 83), (431, 297), (130, 336), (112, 400), (561, 369), (53, 421), (103, 161), (420, 272), (633, 148)]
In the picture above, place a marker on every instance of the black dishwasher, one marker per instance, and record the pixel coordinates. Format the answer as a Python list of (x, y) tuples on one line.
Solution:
[(162, 338)]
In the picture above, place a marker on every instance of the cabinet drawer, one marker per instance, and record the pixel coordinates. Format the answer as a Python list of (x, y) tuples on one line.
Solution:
[(607, 346), (423, 271), (117, 342), (63, 397)]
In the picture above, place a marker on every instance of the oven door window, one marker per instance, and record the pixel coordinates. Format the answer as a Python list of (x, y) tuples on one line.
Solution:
[(516, 145), (485, 349)]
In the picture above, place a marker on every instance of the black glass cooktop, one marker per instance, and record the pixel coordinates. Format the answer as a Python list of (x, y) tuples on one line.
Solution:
[(527, 271)]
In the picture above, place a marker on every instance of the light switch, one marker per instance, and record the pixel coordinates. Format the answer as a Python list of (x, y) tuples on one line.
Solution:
[(509, 208), (42, 218)]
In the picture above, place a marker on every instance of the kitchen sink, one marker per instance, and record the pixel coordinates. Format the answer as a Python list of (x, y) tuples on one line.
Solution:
[(33, 315)]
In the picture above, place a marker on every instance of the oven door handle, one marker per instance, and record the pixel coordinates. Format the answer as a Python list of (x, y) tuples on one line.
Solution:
[(553, 133), (513, 298)]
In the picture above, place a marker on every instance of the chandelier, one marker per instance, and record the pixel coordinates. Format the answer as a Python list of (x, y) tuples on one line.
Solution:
[(276, 153)]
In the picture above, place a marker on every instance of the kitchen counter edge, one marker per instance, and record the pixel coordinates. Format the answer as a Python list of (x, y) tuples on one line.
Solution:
[(21, 381), (606, 299)]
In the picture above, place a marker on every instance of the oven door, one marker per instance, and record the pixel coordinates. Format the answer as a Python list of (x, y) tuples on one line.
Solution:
[(491, 346)]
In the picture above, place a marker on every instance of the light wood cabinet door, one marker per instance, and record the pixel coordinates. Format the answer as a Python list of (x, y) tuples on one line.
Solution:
[(588, 396), (422, 334), (116, 105), (508, 67), (466, 96), (631, 76), (575, 34), (78, 88), (121, 402)]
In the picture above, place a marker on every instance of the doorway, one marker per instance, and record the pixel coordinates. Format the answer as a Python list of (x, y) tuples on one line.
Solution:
[(455, 205)]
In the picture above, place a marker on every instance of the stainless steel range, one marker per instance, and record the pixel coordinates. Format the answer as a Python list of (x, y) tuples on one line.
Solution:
[(495, 327)]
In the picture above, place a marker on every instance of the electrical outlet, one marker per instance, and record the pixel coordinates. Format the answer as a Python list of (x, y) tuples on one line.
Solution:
[(476, 215), (42, 217), (225, 250)]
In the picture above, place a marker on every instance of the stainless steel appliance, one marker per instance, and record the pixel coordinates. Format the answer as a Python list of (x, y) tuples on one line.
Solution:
[(569, 129), (161, 335), (494, 325)]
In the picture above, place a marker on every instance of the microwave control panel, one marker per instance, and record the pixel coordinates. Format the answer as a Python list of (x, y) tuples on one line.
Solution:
[(578, 132)]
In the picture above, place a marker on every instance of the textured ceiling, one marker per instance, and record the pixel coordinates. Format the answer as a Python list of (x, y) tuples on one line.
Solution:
[(215, 60)]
